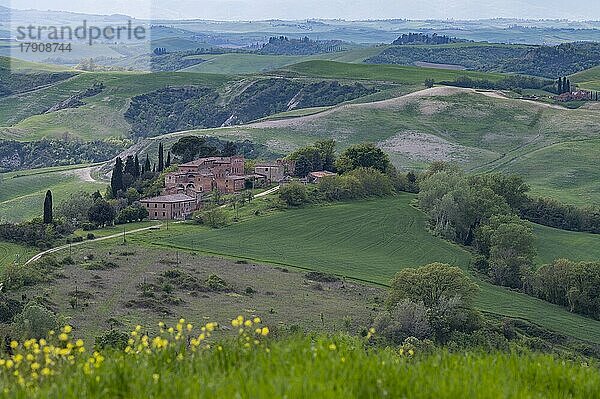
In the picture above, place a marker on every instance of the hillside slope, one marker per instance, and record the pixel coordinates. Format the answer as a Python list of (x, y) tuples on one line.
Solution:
[(369, 241)]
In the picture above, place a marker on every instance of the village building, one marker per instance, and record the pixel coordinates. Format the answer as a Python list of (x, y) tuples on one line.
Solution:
[(225, 174), (170, 207), (579, 95), (272, 172), (315, 177)]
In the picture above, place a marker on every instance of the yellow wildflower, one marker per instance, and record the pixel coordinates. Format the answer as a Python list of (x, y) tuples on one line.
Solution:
[(14, 344), (265, 331)]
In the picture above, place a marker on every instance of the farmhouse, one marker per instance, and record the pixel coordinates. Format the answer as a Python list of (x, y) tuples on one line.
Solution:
[(170, 207), (315, 177), (579, 95), (225, 174), (272, 172)]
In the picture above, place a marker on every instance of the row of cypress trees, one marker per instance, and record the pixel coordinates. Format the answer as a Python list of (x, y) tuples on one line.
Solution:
[(132, 167)]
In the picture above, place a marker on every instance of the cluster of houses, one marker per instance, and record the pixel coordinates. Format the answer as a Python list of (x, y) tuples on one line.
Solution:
[(187, 187), (578, 95)]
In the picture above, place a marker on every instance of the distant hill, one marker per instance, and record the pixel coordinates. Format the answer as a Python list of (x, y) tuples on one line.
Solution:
[(284, 46), (547, 61), (420, 38)]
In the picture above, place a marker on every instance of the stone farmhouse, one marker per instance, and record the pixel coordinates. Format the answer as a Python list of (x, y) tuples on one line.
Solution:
[(225, 174), (170, 207), (185, 188)]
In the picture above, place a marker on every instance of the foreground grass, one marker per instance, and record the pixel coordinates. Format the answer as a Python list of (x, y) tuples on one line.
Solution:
[(321, 366)]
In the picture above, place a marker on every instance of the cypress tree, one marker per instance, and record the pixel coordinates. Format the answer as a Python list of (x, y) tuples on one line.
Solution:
[(130, 166), (568, 86), (560, 85), (147, 164), (161, 158), (116, 181), (48, 208), (168, 163), (137, 167)]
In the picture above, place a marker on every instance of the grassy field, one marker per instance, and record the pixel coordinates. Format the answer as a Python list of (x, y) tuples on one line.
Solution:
[(318, 366), (369, 241), (588, 79), (387, 73), (114, 295), (566, 171), (22, 193), (555, 244), (253, 63), (9, 253)]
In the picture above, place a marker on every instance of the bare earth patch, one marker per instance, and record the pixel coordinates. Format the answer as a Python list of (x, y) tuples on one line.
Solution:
[(425, 147)]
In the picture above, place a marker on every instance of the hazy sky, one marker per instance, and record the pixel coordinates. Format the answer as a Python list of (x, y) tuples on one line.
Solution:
[(302, 9)]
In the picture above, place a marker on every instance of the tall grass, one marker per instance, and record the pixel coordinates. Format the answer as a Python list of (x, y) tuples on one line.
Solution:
[(253, 366)]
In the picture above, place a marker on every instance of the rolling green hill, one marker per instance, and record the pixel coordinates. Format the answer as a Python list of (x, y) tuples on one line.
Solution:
[(568, 171), (588, 79), (254, 63), (553, 147), (388, 73), (555, 244), (22, 193), (24, 119), (368, 240)]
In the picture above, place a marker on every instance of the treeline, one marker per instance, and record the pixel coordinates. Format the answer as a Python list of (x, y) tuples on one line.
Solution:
[(508, 83), (283, 45), (421, 38), (483, 212), (570, 284), (183, 108), (35, 233), (545, 61), (552, 213), (15, 155)]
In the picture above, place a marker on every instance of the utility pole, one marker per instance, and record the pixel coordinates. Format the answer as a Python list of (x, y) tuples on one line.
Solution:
[(124, 241)]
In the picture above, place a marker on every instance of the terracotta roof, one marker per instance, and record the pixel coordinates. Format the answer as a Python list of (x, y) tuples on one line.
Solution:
[(322, 174), (170, 198), (268, 165), (202, 161)]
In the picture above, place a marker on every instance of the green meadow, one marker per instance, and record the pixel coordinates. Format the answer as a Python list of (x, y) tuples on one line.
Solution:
[(22, 193), (368, 241)]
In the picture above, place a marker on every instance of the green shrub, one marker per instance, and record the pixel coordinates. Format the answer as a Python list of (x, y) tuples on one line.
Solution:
[(294, 194), (216, 283), (215, 218), (34, 322), (112, 339)]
